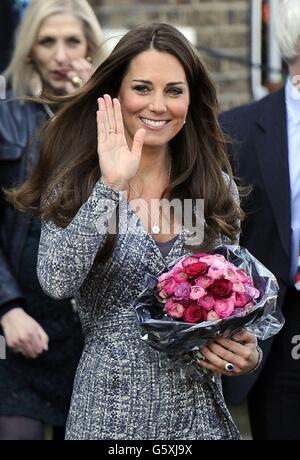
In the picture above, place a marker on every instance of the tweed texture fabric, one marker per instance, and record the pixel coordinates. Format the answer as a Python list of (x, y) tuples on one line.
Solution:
[(123, 389)]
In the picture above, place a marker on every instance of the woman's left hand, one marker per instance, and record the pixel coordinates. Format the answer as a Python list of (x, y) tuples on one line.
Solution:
[(240, 351), (80, 73)]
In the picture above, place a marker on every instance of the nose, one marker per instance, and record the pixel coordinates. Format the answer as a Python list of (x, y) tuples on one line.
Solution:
[(158, 103), (61, 53)]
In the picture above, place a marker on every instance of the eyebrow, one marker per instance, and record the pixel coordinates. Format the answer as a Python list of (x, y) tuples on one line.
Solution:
[(168, 84), (51, 34)]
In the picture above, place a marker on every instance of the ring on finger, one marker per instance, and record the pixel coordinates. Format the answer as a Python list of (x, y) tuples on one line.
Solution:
[(229, 367), (77, 82), (111, 131)]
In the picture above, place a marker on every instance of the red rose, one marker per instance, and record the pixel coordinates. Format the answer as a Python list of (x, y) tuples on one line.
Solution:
[(196, 269), (221, 288), (193, 314)]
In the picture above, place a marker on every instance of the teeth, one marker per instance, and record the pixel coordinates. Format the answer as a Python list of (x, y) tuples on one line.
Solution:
[(149, 122)]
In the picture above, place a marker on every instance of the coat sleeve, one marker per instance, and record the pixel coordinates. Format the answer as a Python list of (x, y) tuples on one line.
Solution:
[(66, 255), (11, 149)]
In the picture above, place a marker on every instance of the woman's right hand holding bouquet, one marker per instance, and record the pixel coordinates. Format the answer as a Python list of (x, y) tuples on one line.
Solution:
[(240, 351)]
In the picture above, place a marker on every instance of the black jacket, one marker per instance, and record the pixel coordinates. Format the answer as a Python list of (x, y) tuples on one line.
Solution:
[(260, 158), (18, 152)]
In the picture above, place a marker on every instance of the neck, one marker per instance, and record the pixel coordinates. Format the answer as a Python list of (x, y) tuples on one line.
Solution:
[(154, 164), (49, 91)]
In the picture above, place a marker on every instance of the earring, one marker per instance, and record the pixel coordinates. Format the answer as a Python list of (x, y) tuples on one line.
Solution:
[(36, 84), (89, 59)]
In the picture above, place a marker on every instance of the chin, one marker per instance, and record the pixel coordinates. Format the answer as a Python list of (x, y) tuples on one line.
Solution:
[(58, 89), (157, 141), (151, 140)]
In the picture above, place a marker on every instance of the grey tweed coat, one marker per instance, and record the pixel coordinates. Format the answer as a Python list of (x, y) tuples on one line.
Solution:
[(123, 389)]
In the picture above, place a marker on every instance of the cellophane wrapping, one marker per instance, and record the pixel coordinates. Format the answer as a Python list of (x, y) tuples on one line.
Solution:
[(181, 341)]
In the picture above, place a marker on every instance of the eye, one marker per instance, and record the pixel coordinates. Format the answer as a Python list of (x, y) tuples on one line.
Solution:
[(141, 89), (175, 91), (73, 41), (47, 41)]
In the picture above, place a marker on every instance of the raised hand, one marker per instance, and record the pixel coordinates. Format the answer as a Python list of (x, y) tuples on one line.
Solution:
[(81, 70), (118, 164)]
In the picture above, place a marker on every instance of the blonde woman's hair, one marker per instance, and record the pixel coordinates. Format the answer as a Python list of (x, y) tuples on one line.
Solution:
[(288, 29), (21, 73)]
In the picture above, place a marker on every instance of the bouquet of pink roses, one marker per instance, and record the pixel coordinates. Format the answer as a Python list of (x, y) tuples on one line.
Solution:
[(203, 296), (206, 287)]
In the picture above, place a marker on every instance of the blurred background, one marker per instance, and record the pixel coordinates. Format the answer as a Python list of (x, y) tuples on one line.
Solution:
[(234, 37)]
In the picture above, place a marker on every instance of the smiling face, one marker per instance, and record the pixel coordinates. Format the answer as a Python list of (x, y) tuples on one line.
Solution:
[(154, 95), (60, 39)]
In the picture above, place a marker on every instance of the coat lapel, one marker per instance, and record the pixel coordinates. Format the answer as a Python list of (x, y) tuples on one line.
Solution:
[(272, 143)]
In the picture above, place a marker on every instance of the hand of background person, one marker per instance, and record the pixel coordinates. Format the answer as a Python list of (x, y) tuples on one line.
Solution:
[(118, 164), (240, 351), (82, 69), (23, 334)]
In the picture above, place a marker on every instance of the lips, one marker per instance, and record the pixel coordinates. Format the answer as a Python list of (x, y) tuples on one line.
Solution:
[(60, 73), (154, 123)]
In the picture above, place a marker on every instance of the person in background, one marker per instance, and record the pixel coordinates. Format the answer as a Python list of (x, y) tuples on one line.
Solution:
[(266, 156), (57, 47), (149, 105)]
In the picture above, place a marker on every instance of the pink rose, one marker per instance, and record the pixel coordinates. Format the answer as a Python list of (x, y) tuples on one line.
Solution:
[(188, 261), (196, 269), (252, 291), (170, 302), (204, 281), (175, 309), (169, 286), (220, 288), (182, 291), (207, 302), (238, 287), (163, 277), (224, 307), (212, 315), (243, 276), (180, 275), (197, 292), (215, 272), (239, 299), (231, 275), (193, 314)]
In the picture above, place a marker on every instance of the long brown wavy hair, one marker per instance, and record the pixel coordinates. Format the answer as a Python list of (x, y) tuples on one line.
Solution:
[(68, 166)]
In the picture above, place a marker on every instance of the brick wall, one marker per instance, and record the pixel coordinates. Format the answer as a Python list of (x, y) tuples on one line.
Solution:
[(223, 25)]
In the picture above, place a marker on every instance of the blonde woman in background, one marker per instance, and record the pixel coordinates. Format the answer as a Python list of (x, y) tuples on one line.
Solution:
[(58, 45)]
